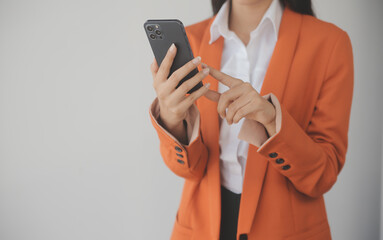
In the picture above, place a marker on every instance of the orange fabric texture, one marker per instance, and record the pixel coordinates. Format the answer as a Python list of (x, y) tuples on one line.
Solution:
[(310, 82)]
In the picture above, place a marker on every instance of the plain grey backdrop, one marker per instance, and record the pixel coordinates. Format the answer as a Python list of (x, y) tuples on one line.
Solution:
[(79, 158)]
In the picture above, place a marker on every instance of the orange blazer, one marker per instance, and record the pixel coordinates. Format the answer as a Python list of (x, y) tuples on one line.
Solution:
[(310, 82)]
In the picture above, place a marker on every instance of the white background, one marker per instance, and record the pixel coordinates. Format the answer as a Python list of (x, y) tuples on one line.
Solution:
[(79, 158)]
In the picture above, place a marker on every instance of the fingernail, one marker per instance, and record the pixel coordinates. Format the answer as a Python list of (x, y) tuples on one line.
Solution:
[(196, 60), (207, 85), (205, 70), (172, 47)]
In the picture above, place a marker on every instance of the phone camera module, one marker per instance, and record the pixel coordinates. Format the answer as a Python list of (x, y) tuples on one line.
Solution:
[(149, 28), (152, 36), (158, 32)]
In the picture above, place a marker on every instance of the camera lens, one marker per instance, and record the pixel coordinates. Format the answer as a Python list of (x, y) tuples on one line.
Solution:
[(158, 32), (152, 36), (149, 28)]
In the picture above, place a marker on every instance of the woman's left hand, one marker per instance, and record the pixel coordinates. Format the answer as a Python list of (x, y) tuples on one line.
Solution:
[(241, 101)]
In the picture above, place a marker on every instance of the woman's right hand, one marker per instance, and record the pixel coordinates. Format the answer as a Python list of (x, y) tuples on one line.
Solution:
[(173, 102)]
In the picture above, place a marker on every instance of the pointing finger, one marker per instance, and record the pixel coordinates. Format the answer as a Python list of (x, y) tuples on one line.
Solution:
[(212, 95), (222, 77)]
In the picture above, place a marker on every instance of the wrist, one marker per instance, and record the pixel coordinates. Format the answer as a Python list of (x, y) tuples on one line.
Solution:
[(271, 128), (270, 125), (169, 125)]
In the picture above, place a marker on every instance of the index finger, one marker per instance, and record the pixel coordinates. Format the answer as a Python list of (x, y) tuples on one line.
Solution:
[(164, 68), (212, 95), (222, 77)]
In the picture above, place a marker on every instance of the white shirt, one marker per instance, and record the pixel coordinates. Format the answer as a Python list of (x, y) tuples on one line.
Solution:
[(248, 63)]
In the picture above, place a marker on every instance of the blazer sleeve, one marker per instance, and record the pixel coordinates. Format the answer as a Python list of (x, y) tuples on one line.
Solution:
[(187, 161), (312, 159)]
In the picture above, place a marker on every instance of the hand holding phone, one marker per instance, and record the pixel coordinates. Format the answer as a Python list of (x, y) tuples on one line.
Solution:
[(161, 35), (171, 81), (173, 102)]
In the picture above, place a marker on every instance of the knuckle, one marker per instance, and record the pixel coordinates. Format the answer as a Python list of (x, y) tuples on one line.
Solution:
[(190, 65), (233, 107), (247, 84), (230, 107), (185, 86), (166, 102), (240, 112), (191, 83), (156, 82), (196, 78), (175, 76), (232, 113), (193, 97), (254, 94), (255, 99), (197, 94), (251, 95), (223, 97), (160, 94), (178, 111)]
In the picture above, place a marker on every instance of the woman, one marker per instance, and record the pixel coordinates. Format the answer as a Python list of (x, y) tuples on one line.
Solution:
[(269, 137)]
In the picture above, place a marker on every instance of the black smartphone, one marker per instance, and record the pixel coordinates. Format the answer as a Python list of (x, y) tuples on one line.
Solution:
[(161, 34)]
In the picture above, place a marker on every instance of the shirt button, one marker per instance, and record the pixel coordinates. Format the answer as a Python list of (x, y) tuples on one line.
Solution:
[(279, 160), (273, 155), (178, 149), (286, 167), (180, 161), (243, 237)]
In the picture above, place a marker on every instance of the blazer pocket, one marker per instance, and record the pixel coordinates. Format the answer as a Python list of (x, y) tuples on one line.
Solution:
[(320, 231), (181, 232)]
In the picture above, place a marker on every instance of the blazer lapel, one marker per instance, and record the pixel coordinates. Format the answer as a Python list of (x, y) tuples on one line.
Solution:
[(275, 81)]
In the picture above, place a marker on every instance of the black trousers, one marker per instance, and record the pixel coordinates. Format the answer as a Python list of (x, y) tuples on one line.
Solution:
[(229, 214)]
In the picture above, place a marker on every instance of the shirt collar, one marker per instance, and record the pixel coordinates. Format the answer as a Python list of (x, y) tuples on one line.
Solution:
[(220, 27)]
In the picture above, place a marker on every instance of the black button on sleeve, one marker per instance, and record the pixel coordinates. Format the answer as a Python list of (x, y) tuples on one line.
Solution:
[(178, 149), (180, 161), (286, 167), (180, 155), (279, 160), (243, 237), (273, 155)]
